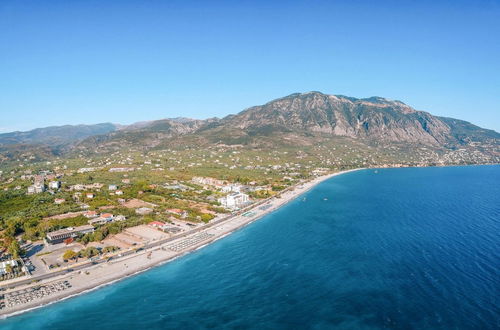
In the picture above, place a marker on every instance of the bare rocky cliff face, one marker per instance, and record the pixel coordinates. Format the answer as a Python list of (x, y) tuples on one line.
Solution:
[(372, 118)]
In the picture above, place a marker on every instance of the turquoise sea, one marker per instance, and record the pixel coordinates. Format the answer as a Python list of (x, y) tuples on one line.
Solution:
[(413, 248)]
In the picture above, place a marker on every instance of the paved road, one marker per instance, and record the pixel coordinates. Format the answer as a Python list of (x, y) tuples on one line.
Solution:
[(146, 246), (129, 252)]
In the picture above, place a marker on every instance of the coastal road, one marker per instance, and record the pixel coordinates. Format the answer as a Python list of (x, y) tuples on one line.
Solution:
[(145, 247)]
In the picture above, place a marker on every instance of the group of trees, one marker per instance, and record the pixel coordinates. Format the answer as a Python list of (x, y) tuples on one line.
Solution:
[(113, 228), (11, 245), (22, 214), (15, 249), (69, 254), (88, 252), (261, 193)]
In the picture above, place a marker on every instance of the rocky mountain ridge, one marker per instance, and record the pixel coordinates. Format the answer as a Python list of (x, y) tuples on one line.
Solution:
[(373, 118), (298, 119)]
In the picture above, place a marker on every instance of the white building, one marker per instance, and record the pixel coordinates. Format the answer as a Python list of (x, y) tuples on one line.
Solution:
[(90, 214), (36, 189), (86, 169), (54, 184), (102, 219), (231, 188), (143, 210), (120, 218), (234, 200), (207, 181), (121, 169), (3, 265), (39, 188)]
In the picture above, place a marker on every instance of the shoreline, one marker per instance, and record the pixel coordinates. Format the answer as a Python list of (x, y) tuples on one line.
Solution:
[(104, 274)]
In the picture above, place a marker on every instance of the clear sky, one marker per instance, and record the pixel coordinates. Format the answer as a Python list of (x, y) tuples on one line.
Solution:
[(73, 62)]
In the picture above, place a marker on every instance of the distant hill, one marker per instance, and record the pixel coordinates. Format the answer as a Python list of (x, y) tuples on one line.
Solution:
[(56, 135)]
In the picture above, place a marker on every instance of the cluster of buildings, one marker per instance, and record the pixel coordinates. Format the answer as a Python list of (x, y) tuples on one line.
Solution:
[(181, 213), (102, 218), (79, 187), (86, 169), (204, 181), (231, 188), (39, 185), (235, 198), (121, 169), (4, 264), (59, 236), (164, 227), (113, 190)]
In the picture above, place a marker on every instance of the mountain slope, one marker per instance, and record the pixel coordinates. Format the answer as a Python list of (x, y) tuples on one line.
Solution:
[(305, 120), (302, 118), (143, 135), (371, 119)]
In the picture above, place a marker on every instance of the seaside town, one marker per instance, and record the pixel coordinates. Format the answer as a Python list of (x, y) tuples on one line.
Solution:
[(249, 165), (66, 216)]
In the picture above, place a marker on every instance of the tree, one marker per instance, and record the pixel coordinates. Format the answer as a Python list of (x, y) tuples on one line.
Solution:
[(98, 236), (108, 249), (14, 249), (205, 217), (69, 254), (8, 268), (87, 238), (90, 252)]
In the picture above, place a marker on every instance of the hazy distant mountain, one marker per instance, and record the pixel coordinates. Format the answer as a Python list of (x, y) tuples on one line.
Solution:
[(56, 135)]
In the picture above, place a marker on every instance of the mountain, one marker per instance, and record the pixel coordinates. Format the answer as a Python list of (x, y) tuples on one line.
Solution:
[(307, 118), (376, 125), (55, 135), (142, 135), (370, 119)]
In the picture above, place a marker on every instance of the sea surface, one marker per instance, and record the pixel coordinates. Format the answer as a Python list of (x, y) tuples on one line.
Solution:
[(414, 248)]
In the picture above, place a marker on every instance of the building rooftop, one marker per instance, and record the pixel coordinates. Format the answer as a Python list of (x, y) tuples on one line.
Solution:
[(69, 230), (156, 223)]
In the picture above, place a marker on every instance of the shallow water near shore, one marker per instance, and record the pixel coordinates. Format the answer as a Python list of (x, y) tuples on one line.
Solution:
[(393, 248)]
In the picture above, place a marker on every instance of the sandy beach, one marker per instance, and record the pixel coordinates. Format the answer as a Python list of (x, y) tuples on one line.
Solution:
[(34, 295)]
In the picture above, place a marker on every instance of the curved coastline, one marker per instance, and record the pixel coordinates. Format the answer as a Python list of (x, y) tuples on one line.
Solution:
[(104, 276)]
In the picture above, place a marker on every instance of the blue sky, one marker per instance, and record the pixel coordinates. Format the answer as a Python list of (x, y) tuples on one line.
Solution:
[(72, 62)]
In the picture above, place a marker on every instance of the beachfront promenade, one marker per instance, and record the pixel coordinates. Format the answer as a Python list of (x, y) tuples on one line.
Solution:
[(91, 274)]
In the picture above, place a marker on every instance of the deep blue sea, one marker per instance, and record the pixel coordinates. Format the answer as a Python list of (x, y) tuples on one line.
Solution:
[(414, 248)]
